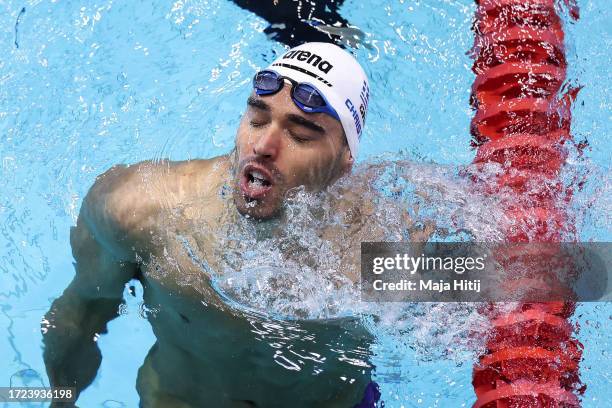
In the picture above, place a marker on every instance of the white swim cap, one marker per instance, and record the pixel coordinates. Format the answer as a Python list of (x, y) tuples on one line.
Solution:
[(338, 76)]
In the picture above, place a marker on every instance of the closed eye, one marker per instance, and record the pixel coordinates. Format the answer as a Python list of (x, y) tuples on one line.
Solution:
[(257, 124), (299, 138)]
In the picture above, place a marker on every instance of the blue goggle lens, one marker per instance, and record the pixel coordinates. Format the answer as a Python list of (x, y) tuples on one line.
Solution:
[(267, 81), (308, 96)]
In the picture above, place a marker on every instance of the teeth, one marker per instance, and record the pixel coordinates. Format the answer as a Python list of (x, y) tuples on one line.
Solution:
[(258, 175)]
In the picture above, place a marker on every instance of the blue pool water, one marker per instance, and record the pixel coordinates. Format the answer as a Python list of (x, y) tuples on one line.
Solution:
[(88, 84)]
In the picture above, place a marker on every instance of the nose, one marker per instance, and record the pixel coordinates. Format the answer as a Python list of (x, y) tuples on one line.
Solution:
[(267, 143)]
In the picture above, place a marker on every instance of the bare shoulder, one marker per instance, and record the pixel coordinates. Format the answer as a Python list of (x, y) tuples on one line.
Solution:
[(127, 202)]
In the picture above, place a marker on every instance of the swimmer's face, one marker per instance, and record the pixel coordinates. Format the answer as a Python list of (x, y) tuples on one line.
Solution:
[(280, 147)]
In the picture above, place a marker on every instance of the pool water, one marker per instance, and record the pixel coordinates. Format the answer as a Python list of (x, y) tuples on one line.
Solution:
[(85, 85)]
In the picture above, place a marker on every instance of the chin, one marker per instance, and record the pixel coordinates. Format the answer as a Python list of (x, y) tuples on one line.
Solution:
[(256, 209)]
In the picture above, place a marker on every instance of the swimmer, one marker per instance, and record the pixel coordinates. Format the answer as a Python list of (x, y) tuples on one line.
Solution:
[(302, 126)]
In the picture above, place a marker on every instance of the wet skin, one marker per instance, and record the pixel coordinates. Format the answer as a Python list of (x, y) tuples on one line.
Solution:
[(137, 221)]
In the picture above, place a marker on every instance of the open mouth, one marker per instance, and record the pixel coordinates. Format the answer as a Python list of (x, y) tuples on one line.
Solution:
[(255, 182)]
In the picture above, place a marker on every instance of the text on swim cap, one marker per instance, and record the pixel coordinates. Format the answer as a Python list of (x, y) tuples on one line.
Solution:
[(310, 58), (353, 111), (364, 95)]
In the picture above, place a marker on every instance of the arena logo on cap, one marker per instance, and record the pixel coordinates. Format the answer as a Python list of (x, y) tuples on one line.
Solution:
[(310, 58)]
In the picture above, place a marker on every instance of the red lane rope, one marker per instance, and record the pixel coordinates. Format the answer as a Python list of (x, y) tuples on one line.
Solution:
[(522, 124)]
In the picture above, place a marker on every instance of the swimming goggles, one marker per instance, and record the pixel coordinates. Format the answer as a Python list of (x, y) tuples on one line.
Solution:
[(305, 96)]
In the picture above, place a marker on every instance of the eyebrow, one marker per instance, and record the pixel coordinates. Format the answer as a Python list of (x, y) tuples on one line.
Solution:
[(302, 121), (258, 104)]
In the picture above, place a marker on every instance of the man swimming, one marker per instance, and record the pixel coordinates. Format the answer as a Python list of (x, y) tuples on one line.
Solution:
[(301, 128)]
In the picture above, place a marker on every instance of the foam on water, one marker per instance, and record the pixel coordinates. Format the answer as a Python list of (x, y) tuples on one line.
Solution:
[(306, 264)]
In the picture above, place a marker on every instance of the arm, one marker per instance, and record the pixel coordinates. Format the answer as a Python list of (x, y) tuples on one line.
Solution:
[(71, 326)]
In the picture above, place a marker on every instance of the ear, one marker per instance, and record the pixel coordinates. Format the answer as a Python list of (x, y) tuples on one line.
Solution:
[(347, 160)]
